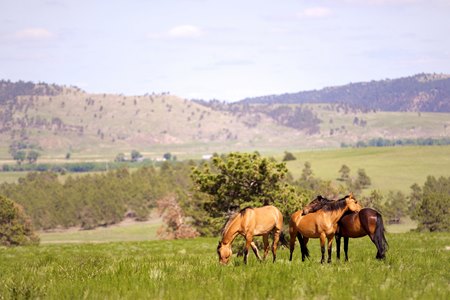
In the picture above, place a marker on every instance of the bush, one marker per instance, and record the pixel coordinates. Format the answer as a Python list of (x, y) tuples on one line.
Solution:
[(15, 226)]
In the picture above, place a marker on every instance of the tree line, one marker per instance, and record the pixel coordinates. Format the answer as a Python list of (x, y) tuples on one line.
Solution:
[(402, 94), (196, 198), (94, 200), (382, 142)]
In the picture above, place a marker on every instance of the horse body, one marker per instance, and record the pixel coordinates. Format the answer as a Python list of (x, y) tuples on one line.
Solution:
[(358, 224), (251, 222), (319, 224)]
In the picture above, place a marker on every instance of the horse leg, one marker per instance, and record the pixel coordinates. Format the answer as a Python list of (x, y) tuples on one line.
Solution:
[(322, 246), (346, 247), (303, 247), (330, 247), (266, 245), (338, 246), (292, 234), (255, 250), (248, 242), (276, 238)]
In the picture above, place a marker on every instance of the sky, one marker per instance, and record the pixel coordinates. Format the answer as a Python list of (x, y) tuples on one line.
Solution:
[(225, 50)]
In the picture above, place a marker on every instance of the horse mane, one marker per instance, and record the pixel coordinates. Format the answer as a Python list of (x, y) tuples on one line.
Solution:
[(318, 203), (232, 217), (335, 205)]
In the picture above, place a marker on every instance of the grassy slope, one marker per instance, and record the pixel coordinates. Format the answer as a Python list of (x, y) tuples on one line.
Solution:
[(416, 267), (164, 123), (390, 168)]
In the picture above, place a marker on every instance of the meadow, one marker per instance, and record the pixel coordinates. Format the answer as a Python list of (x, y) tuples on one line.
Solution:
[(417, 267), (389, 168)]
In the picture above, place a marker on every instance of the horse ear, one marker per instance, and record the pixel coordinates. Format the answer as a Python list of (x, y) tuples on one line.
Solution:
[(351, 194)]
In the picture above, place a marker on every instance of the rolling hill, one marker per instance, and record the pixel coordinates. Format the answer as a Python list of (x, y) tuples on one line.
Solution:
[(57, 120), (421, 92)]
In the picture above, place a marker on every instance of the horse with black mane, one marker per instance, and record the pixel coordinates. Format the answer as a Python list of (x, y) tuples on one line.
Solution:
[(367, 221), (250, 222), (319, 224)]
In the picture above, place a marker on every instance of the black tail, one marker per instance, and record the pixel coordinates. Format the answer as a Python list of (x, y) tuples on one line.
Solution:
[(283, 240), (379, 238), (303, 247)]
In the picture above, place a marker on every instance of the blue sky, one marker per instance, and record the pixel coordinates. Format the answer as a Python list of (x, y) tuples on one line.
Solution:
[(226, 50)]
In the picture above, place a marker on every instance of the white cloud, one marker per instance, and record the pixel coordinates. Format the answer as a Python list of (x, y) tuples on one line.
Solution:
[(387, 2), (34, 34), (315, 12), (185, 31)]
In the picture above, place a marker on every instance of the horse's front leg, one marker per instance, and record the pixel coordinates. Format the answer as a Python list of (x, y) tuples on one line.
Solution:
[(338, 246), (330, 247), (255, 250), (323, 238), (248, 243), (346, 247), (304, 247)]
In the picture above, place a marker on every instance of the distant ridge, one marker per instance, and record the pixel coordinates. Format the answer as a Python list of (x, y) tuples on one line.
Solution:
[(422, 92), (65, 120)]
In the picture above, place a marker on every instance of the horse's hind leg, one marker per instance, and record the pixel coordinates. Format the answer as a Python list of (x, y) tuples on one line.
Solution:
[(276, 238), (292, 235), (266, 245)]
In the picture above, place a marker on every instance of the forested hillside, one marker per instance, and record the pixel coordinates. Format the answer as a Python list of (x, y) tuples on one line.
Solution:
[(422, 92), (38, 119)]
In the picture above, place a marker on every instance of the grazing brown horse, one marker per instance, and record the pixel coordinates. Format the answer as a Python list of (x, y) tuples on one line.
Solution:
[(320, 224), (250, 222), (358, 224)]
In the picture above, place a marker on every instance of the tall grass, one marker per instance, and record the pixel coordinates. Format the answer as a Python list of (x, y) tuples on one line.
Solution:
[(417, 267)]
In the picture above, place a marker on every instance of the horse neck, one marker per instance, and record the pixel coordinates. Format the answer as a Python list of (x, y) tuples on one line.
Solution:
[(337, 214), (231, 230)]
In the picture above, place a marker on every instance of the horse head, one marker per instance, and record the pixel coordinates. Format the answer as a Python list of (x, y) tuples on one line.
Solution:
[(352, 203), (224, 251)]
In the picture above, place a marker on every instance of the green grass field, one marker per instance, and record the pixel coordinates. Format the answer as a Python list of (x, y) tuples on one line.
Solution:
[(390, 168), (140, 231), (417, 267)]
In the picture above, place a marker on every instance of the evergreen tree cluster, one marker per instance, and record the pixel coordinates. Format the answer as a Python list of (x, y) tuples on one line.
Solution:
[(94, 199), (382, 142), (421, 92)]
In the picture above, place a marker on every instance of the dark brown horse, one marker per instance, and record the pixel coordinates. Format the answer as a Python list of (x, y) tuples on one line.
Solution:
[(354, 225), (251, 222), (358, 224), (320, 224)]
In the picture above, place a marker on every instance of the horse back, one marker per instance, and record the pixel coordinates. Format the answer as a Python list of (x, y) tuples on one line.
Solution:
[(266, 218), (350, 226)]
